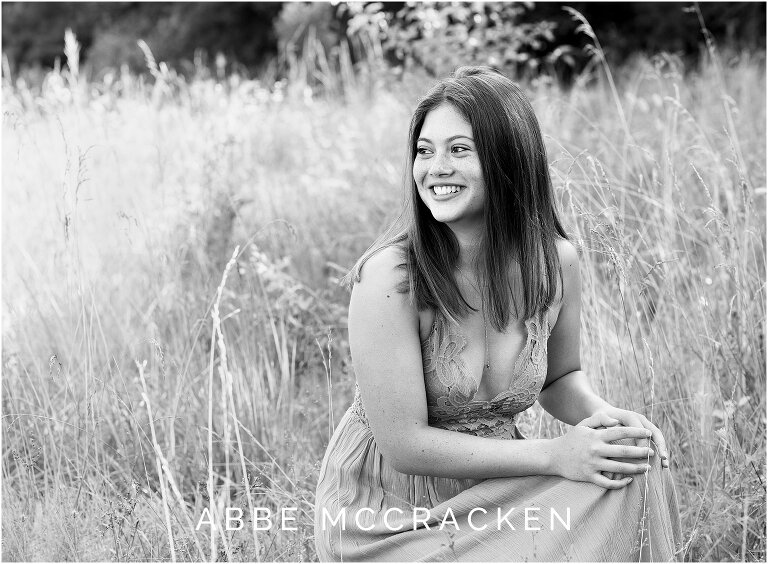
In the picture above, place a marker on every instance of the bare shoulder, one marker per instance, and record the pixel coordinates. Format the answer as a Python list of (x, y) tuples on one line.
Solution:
[(569, 256), (384, 269), (377, 296), (569, 267)]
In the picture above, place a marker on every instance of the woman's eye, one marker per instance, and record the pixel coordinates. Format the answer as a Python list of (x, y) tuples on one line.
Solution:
[(422, 151), (459, 149)]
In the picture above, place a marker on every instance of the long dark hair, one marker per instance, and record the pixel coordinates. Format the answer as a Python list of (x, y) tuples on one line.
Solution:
[(520, 217)]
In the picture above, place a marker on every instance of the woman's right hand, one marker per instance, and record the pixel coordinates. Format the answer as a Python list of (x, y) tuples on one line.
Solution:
[(586, 451)]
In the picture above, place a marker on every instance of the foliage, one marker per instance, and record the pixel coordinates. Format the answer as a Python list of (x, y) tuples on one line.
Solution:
[(109, 31), (444, 35), (626, 28), (523, 37), (298, 19)]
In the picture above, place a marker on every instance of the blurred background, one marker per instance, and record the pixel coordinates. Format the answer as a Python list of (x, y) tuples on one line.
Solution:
[(524, 36), (184, 184)]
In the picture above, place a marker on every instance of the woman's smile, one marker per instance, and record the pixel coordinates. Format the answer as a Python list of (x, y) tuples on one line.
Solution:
[(442, 192)]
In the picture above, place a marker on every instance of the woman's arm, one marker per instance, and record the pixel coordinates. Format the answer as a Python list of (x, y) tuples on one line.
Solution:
[(567, 393), (386, 353), (571, 399)]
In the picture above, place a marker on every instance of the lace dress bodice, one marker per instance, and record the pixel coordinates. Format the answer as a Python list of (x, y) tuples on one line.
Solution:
[(451, 391)]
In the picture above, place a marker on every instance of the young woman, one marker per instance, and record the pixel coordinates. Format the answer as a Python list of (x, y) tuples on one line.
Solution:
[(461, 317)]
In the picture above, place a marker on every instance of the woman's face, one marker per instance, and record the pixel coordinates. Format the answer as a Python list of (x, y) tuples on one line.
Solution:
[(447, 168)]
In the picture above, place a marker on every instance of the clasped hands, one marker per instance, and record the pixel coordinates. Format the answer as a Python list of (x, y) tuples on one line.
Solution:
[(609, 447)]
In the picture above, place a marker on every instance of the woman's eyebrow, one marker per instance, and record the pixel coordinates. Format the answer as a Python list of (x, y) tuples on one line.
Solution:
[(453, 138)]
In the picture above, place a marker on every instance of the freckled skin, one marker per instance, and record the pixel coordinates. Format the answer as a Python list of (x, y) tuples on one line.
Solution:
[(447, 154)]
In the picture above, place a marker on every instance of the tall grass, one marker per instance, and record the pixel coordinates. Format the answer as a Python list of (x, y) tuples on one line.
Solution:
[(149, 373)]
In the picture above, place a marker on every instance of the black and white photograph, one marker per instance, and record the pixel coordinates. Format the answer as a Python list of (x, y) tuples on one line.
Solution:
[(383, 281)]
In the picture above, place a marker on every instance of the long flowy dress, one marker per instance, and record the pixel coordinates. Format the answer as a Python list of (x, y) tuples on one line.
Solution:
[(366, 510)]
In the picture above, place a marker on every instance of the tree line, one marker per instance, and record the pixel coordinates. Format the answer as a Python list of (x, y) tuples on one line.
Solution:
[(252, 34)]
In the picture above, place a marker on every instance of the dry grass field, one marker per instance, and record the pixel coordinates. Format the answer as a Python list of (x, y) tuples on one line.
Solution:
[(149, 372)]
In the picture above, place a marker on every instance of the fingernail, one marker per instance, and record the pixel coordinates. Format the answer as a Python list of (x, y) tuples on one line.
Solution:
[(652, 453), (647, 433), (629, 480)]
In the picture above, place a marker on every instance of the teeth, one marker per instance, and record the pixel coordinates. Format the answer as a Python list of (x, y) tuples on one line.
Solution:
[(447, 189)]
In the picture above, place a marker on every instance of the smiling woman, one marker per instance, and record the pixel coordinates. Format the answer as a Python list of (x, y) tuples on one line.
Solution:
[(462, 315)]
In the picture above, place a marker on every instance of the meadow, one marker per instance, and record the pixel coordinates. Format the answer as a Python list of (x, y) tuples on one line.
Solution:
[(174, 334)]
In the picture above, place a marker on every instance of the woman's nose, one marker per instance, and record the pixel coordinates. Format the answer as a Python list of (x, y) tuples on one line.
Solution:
[(440, 165)]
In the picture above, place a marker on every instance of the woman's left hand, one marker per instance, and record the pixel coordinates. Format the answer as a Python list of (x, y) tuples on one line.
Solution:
[(632, 419)]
